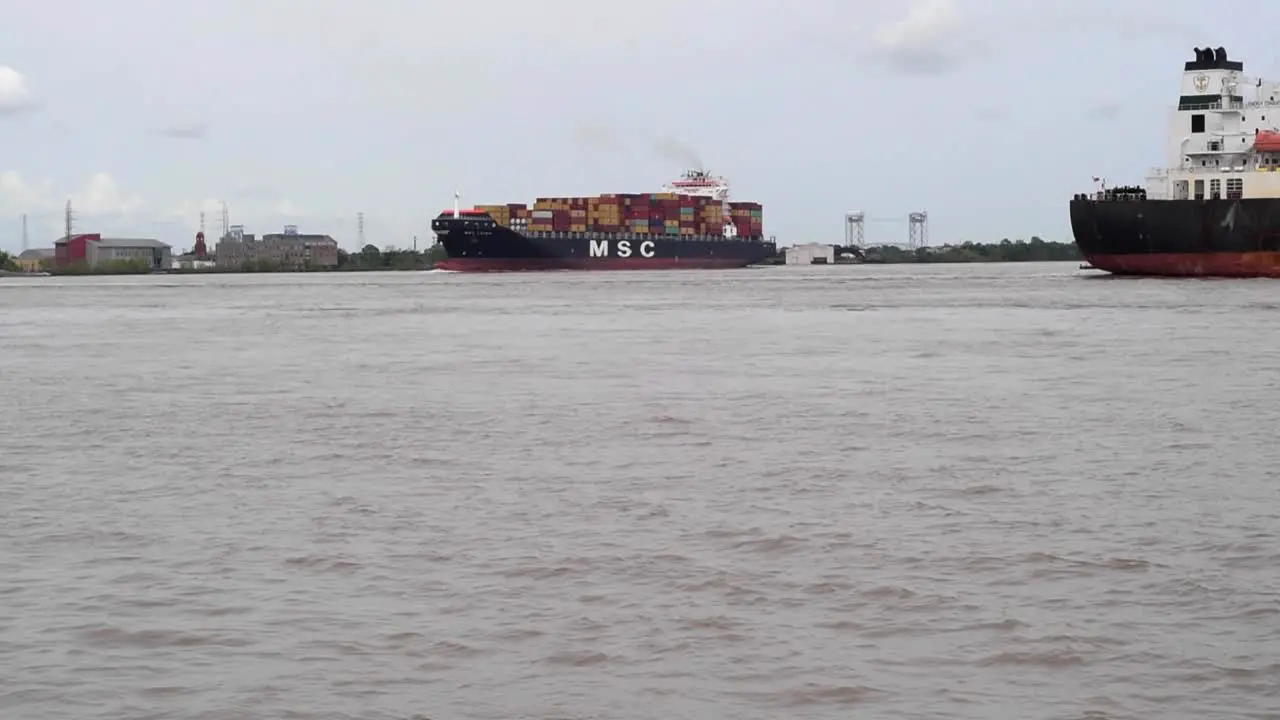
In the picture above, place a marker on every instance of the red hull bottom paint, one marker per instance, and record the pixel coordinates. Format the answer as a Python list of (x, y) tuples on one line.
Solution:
[(1231, 265), (463, 264)]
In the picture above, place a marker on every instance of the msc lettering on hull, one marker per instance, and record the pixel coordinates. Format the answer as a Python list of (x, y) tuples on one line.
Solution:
[(600, 248)]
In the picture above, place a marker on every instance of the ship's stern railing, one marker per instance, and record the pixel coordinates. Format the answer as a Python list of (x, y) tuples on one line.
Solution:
[(1132, 193)]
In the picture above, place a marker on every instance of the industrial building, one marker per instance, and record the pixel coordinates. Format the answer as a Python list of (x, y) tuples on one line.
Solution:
[(811, 254), (192, 262), (93, 250), (289, 249), (35, 259)]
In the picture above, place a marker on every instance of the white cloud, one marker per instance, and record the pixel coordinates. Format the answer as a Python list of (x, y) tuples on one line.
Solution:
[(936, 37), (18, 195), (99, 204), (102, 195), (933, 38), (100, 199), (14, 94)]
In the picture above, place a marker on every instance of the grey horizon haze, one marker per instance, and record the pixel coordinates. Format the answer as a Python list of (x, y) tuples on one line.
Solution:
[(986, 114)]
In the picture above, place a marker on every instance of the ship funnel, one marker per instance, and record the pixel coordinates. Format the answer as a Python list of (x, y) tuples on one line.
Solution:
[(457, 208)]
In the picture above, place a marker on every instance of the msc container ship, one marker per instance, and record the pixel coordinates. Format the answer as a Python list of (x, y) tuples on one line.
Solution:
[(1214, 209), (691, 224)]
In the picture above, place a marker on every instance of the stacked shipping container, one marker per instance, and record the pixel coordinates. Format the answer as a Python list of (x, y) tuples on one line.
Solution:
[(514, 215), (644, 214), (748, 218)]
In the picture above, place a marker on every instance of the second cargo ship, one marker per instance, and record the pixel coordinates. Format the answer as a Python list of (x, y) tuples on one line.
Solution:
[(1214, 210), (691, 224)]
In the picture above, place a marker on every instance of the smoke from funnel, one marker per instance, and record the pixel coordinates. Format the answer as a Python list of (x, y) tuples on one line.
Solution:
[(676, 151)]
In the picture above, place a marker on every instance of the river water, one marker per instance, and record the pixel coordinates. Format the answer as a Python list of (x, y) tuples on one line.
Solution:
[(999, 491)]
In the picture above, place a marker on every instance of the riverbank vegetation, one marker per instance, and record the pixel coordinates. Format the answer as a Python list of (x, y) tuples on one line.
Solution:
[(371, 258), (136, 266), (1033, 250), (368, 259)]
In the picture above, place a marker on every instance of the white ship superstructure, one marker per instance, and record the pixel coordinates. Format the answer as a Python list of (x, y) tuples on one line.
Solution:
[(1221, 144), (700, 183)]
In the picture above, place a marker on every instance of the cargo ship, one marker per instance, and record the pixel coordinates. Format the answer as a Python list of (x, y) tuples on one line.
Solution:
[(1214, 209), (690, 224)]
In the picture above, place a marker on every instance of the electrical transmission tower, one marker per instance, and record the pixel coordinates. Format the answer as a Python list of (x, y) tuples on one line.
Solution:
[(917, 230), (855, 229), (69, 219), (226, 220), (25, 245), (360, 230)]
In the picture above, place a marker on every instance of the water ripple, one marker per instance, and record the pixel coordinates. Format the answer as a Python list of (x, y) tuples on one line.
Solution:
[(903, 493)]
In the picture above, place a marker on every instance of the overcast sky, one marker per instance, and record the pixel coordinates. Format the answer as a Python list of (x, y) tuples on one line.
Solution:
[(987, 114)]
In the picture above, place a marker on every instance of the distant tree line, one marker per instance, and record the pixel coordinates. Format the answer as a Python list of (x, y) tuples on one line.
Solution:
[(371, 258), (8, 262), (1034, 250)]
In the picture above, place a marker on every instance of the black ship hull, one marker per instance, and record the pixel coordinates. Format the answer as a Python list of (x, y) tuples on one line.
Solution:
[(474, 244), (1179, 238)]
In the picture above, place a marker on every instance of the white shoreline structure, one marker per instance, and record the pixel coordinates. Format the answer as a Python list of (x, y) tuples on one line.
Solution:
[(1221, 145)]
